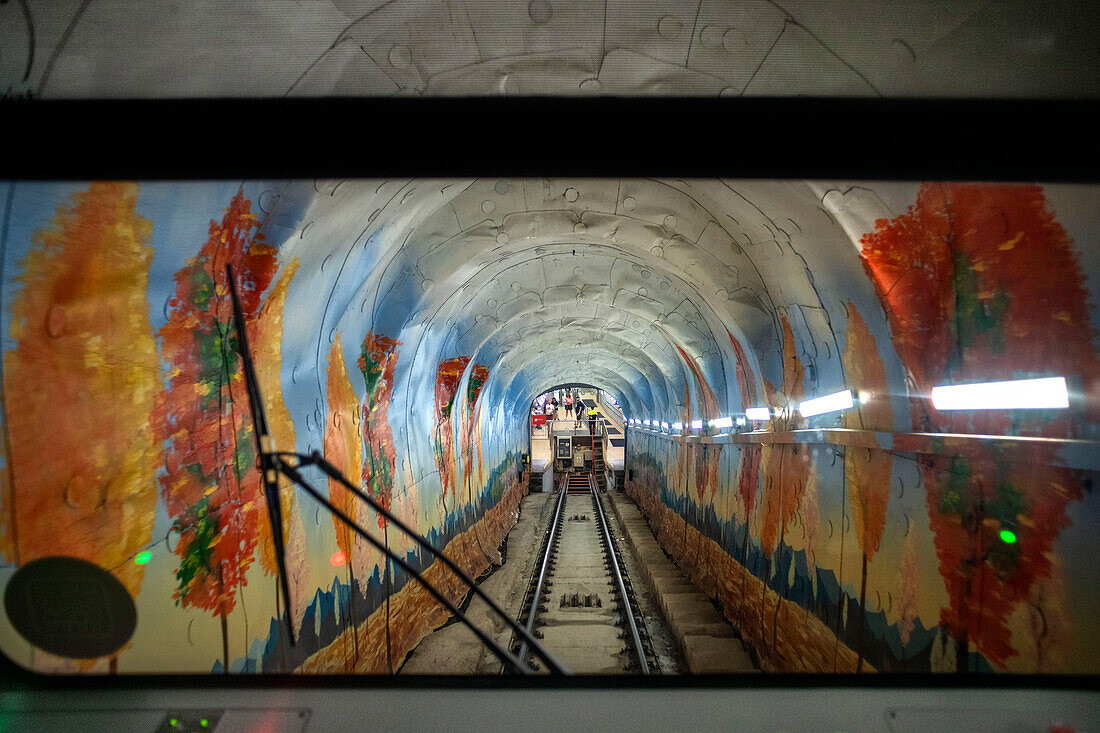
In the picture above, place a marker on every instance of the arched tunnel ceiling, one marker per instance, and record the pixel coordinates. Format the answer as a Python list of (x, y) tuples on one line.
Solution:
[(664, 292), (275, 48), (653, 289)]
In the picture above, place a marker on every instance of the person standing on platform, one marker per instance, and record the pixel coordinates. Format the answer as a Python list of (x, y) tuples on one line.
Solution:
[(568, 405), (593, 413)]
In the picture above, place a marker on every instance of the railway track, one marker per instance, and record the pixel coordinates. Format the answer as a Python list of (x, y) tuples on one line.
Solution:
[(580, 602)]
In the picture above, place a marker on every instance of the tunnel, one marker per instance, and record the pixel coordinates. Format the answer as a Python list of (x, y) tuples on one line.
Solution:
[(402, 329), (292, 297)]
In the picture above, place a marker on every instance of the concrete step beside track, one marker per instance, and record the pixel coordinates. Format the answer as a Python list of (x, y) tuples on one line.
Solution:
[(705, 638)]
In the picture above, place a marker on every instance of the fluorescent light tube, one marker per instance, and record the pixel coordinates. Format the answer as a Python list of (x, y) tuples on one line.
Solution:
[(664, 426), (722, 422), (696, 424), (758, 413), (646, 422), (829, 403), (677, 426), (1019, 394)]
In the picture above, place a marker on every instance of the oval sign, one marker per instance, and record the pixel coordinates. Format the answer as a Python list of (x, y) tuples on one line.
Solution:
[(70, 607)]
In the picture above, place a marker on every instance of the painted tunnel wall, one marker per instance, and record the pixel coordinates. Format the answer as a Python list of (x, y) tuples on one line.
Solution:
[(129, 432), (873, 540), (401, 328)]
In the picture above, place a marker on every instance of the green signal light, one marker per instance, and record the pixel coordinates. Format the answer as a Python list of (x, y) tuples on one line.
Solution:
[(1007, 537), (204, 723), (143, 558), (174, 722)]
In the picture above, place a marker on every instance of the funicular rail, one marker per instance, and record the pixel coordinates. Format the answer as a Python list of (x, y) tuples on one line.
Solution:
[(579, 600)]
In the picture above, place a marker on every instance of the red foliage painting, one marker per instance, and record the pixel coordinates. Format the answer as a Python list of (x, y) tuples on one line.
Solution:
[(979, 282), (211, 486), (447, 377), (478, 376), (377, 362)]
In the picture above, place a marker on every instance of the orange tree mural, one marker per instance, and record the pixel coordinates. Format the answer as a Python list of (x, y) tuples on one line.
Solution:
[(211, 487), (786, 465), (979, 282), (447, 377), (344, 450), (267, 345), (87, 369), (866, 470), (748, 474)]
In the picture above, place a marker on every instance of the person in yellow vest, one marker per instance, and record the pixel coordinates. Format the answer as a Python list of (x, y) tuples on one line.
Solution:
[(592, 414)]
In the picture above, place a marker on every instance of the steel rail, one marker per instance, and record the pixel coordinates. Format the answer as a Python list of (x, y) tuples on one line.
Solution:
[(318, 460), (555, 522), (628, 612)]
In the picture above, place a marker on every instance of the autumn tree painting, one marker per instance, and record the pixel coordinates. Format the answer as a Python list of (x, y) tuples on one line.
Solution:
[(344, 450), (786, 465), (83, 459), (479, 374), (267, 345), (447, 376), (866, 470), (377, 362), (211, 486), (980, 283), (748, 472)]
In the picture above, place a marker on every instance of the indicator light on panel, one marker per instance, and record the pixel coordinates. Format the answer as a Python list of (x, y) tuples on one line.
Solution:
[(1018, 394)]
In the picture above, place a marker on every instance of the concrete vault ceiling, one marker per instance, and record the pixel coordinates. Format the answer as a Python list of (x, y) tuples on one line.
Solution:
[(643, 287), (275, 48)]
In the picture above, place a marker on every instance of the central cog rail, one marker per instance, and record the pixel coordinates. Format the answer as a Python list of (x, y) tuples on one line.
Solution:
[(579, 602)]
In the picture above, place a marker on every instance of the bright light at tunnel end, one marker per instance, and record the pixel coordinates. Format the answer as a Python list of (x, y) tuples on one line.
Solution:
[(1019, 394), (829, 403)]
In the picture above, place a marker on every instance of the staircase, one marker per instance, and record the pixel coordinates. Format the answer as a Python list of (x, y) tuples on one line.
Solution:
[(534, 483), (578, 483)]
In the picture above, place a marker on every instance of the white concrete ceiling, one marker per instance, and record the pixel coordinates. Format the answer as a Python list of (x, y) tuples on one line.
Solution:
[(273, 48)]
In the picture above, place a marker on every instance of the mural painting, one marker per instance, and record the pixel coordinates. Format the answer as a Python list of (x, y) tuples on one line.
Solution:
[(892, 537), (966, 284)]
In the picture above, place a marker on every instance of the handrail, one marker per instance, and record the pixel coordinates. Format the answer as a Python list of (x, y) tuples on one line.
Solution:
[(555, 521), (614, 564), (273, 463)]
